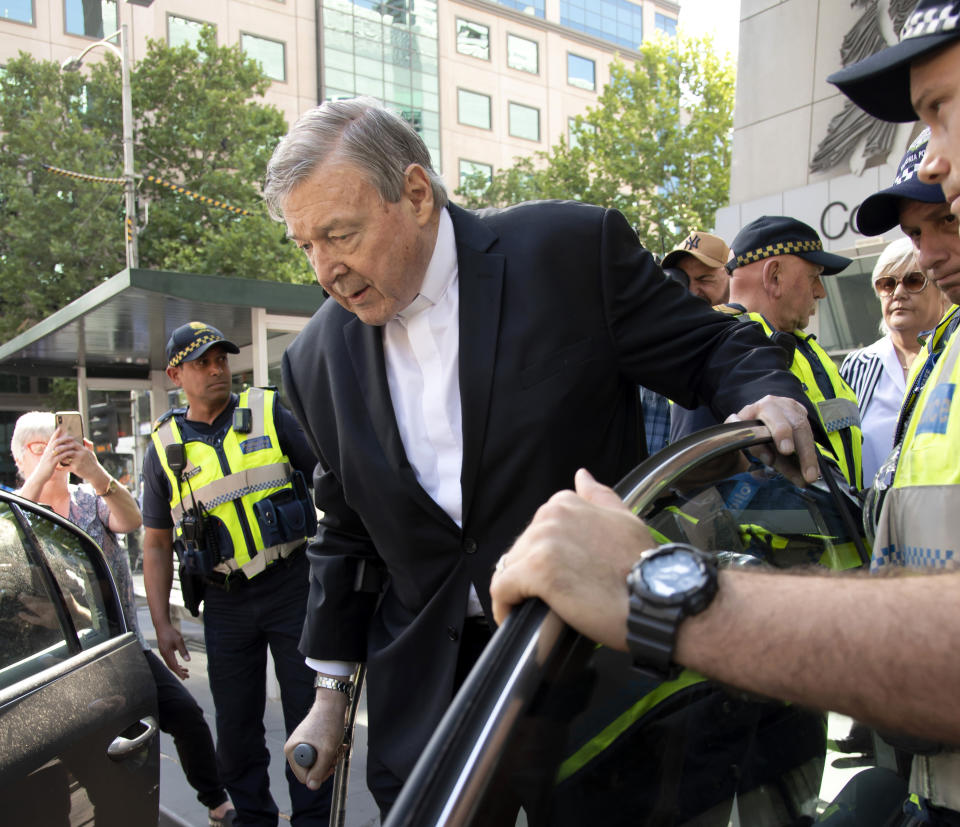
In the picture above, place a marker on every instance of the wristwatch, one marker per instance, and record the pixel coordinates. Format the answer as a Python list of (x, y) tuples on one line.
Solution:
[(326, 682), (666, 585), (111, 487)]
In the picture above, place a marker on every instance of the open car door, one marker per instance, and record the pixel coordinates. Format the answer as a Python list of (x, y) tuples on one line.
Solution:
[(551, 729)]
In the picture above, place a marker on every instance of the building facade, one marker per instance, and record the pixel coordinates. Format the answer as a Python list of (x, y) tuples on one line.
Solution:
[(801, 148), (484, 82)]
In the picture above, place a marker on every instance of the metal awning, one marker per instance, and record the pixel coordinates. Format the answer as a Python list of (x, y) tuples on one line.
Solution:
[(119, 330)]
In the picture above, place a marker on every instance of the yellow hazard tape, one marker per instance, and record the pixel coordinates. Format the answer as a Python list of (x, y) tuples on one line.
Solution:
[(196, 195), (99, 179)]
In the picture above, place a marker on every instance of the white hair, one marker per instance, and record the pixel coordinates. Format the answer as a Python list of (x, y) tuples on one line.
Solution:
[(897, 259), (31, 427)]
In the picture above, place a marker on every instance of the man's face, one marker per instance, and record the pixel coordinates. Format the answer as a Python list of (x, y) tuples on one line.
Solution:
[(935, 93), (206, 379), (368, 254), (800, 290), (934, 232), (712, 284)]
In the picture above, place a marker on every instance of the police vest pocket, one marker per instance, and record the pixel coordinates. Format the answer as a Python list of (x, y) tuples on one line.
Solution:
[(287, 515)]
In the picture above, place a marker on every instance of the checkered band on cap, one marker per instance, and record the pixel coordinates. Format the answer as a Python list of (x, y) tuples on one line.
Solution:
[(913, 157), (182, 354), (781, 248), (944, 17)]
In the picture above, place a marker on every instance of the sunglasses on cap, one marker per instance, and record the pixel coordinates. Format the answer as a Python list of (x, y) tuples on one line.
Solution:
[(912, 283)]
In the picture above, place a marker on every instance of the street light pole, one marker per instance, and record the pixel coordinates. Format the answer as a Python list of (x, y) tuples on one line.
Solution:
[(126, 105), (130, 183)]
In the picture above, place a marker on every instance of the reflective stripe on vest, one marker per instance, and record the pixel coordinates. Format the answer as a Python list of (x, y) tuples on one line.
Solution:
[(836, 404), (230, 478), (915, 528)]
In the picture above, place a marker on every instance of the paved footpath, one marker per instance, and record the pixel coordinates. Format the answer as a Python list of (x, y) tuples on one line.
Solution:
[(178, 803)]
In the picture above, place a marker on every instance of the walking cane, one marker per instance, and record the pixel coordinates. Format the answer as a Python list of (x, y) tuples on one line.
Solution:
[(305, 755), (338, 807)]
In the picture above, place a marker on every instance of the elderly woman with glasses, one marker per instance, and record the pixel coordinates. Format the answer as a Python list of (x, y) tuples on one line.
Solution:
[(46, 456), (910, 304)]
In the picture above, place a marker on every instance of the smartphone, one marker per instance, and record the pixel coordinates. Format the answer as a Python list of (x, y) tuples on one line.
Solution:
[(71, 422)]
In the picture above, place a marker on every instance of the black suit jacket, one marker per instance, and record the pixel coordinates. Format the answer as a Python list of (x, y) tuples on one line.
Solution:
[(562, 315)]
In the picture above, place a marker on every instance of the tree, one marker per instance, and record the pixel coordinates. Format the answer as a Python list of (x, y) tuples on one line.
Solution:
[(197, 125), (656, 147)]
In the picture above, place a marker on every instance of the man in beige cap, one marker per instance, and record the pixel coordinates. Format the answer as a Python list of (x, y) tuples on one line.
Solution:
[(702, 257)]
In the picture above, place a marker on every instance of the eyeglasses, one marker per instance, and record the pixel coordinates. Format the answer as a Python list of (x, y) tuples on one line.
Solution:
[(912, 283), (37, 448)]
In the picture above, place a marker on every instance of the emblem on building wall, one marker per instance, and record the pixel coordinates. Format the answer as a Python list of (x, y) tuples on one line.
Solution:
[(853, 136)]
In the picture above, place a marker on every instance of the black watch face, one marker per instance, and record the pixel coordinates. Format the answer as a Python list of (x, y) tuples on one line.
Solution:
[(674, 573)]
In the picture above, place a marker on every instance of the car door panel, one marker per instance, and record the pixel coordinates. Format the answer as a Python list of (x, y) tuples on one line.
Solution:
[(78, 723)]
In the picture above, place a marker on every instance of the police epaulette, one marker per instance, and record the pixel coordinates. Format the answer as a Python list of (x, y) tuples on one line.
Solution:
[(729, 309), (165, 416)]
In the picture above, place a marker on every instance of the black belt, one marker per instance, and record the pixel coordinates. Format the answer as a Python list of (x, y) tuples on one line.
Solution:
[(237, 579)]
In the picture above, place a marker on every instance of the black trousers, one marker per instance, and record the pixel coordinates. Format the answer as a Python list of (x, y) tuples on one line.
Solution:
[(182, 718)]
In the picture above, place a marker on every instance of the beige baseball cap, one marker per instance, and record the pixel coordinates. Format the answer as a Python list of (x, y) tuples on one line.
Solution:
[(710, 249)]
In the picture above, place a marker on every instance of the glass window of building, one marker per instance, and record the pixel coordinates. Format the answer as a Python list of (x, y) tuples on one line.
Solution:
[(473, 108), (182, 31), (535, 8), (523, 54), (473, 39), (387, 51), (574, 132), (616, 21), (89, 19), (474, 168), (20, 11), (581, 72), (270, 53), (524, 121), (665, 24)]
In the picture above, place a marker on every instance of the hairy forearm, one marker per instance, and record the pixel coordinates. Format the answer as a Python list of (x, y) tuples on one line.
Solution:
[(877, 648)]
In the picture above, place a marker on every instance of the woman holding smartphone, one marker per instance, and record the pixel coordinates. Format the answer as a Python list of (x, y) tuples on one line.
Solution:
[(46, 455)]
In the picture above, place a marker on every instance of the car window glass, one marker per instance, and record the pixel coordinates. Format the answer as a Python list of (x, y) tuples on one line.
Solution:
[(31, 636), (82, 578), (55, 593), (601, 743)]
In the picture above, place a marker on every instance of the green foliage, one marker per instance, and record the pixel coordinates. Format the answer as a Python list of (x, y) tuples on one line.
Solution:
[(657, 146), (197, 124), (63, 395)]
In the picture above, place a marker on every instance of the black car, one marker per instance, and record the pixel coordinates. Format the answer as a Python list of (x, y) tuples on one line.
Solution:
[(78, 727), (550, 729)]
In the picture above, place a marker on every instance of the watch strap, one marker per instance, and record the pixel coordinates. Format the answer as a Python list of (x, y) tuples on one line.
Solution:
[(652, 638), (326, 682), (111, 487)]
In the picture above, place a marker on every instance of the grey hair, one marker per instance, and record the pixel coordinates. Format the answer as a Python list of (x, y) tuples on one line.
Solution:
[(897, 259), (31, 426), (359, 131)]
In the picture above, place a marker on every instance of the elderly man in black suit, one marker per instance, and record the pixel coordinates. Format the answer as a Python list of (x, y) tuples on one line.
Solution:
[(469, 364)]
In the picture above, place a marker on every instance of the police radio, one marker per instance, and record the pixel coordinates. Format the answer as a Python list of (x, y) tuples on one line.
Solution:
[(199, 555)]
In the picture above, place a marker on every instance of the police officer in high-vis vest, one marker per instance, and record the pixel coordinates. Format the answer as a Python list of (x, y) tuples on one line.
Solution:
[(917, 525), (225, 494), (775, 270)]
